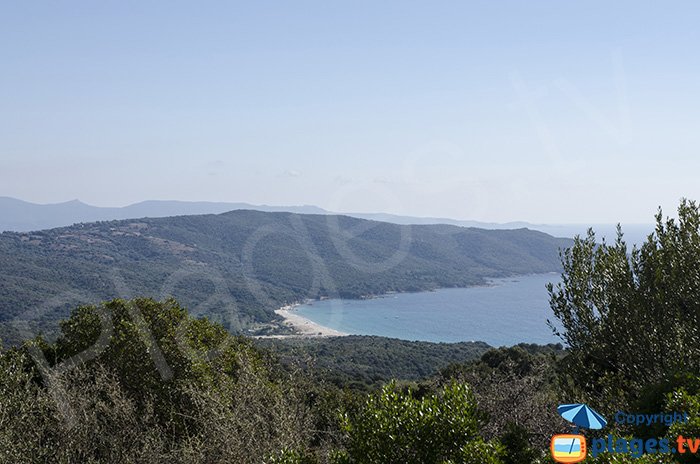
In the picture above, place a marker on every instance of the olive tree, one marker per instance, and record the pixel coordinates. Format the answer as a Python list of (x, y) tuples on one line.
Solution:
[(631, 318)]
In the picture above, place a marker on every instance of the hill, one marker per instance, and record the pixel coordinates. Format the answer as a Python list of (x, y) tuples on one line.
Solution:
[(23, 216), (237, 267)]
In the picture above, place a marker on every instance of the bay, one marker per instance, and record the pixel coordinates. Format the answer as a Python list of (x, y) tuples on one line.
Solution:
[(506, 312)]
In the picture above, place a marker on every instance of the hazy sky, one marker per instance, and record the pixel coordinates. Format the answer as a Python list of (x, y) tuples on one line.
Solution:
[(546, 111)]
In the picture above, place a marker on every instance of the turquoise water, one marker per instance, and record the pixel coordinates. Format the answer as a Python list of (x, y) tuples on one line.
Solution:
[(510, 311)]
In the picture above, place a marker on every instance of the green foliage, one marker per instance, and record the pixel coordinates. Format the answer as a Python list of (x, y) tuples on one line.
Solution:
[(479, 452), (516, 445), (367, 362), (152, 343), (166, 387), (631, 320), (290, 457), (161, 387), (517, 392), (237, 267), (22, 409), (396, 427), (683, 401), (654, 398), (142, 381)]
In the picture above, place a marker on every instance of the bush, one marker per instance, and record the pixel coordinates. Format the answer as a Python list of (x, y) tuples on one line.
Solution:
[(287, 456), (683, 401), (516, 445), (205, 396), (396, 427)]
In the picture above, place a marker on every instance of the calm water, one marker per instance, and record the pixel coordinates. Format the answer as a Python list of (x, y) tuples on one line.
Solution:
[(511, 311)]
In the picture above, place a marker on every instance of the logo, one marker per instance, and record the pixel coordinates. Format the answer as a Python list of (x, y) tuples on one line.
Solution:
[(568, 448)]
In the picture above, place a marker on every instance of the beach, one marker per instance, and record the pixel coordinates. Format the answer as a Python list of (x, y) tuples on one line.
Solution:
[(508, 311), (302, 326)]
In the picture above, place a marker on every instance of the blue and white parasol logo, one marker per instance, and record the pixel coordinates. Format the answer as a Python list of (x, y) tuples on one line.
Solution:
[(582, 416)]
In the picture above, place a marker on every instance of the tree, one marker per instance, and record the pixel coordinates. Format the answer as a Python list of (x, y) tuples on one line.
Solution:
[(394, 427), (160, 386), (631, 320), (517, 396)]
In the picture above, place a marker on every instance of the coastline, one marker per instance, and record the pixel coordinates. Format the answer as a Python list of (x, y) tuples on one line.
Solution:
[(302, 326), (305, 328)]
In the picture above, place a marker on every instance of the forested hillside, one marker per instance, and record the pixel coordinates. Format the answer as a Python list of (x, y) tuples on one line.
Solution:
[(143, 381), (238, 267), (366, 362)]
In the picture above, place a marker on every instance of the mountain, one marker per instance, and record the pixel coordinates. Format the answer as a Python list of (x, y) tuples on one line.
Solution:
[(408, 220), (21, 216), (634, 233), (237, 267)]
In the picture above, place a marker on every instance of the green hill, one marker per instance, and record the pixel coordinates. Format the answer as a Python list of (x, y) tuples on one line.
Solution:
[(238, 267)]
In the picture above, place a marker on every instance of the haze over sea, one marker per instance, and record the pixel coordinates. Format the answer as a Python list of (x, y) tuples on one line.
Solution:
[(507, 312)]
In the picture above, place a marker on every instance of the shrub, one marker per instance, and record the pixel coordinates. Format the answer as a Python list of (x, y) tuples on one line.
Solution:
[(396, 427)]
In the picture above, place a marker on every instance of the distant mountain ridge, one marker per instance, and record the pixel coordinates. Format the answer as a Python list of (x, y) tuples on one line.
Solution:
[(22, 216), (249, 263)]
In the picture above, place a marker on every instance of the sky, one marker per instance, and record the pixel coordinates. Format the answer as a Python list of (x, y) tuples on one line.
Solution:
[(543, 111)]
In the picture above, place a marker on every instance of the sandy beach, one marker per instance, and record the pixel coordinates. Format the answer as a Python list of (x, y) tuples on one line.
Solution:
[(303, 326)]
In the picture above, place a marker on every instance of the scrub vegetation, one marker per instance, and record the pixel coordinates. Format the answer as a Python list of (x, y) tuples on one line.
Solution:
[(142, 380)]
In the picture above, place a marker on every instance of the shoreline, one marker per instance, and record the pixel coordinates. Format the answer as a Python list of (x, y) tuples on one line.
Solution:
[(306, 328), (303, 327)]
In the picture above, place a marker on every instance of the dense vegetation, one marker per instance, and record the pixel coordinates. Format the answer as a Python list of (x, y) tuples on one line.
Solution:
[(237, 267), (161, 387), (368, 362), (631, 321), (142, 381)]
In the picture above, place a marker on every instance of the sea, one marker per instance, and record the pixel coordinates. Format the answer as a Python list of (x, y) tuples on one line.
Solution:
[(505, 312)]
